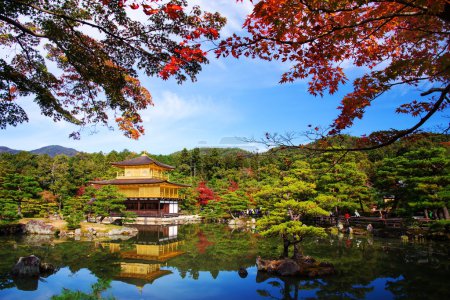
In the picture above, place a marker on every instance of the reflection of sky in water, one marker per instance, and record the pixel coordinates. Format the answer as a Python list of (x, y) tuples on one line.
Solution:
[(379, 291), (53, 285), (227, 285), (367, 269)]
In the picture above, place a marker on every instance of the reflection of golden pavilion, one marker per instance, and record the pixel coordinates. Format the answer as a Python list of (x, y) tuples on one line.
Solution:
[(141, 273), (157, 252), (137, 268), (161, 252)]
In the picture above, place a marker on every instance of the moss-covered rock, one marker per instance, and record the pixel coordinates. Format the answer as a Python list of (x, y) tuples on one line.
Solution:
[(304, 266)]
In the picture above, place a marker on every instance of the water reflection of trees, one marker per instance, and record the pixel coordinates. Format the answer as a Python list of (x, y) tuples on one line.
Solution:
[(288, 288), (412, 271), (73, 255), (215, 248)]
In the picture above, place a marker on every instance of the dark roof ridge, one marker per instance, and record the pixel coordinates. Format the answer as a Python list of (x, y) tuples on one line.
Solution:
[(142, 160)]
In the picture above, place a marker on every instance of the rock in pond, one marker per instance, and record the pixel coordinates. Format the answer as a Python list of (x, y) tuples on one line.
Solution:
[(130, 231), (31, 266), (242, 272), (39, 227), (28, 270), (304, 266), (27, 266)]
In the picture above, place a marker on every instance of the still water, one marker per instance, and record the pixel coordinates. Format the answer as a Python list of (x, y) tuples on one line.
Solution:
[(201, 261)]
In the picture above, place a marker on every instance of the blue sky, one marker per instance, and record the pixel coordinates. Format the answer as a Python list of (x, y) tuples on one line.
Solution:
[(231, 98)]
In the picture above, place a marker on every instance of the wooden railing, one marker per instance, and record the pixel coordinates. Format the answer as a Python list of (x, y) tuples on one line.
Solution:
[(162, 177), (362, 221)]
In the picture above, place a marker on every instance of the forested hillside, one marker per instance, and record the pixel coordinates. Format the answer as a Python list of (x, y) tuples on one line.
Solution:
[(415, 171)]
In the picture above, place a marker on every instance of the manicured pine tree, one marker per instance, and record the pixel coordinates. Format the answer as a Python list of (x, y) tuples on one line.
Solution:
[(287, 203), (418, 179), (15, 189), (342, 181)]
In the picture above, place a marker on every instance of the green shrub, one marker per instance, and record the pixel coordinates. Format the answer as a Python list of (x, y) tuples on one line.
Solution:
[(73, 220), (128, 217), (440, 226)]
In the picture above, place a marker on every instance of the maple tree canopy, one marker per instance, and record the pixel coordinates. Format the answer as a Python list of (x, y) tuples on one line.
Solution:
[(403, 42), (79, 58)]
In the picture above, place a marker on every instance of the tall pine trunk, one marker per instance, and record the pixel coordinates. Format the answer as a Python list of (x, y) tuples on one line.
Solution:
[(297, 253), (286, 244), (19, 208), (446, 215)]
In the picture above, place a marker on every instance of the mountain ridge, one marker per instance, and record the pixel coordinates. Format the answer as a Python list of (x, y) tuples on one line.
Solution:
[(51, 150)]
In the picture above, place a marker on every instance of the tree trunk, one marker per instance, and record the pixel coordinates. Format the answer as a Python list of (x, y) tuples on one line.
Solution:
[(59, 205), (286, 244), (19, 208), (297, 253), (337, 216), (446, 215), (425, 211)]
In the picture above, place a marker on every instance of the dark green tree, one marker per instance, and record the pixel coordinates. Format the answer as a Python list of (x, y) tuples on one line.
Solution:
[(418, 179), (234, 202), (108, 200), (285, 221), (15, 189), (342, 181), (60, 184)]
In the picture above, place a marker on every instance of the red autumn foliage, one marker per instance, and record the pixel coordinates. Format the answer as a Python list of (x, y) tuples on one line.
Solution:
[(205, 194), (234, 186), (203, 242), (96, 77), (49, 196), (398, 43), (80, 191)]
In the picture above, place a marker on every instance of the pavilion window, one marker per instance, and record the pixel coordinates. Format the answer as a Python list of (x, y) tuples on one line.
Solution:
[(131, 206), (149, 206)]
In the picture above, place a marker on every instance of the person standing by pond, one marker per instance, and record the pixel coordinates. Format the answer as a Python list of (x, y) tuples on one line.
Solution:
[(347, 217)]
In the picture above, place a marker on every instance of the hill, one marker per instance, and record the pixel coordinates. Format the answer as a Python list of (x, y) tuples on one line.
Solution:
[(8, 150), (52, 150)]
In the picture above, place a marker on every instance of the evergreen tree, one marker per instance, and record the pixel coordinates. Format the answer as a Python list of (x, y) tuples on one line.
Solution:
[(234, 202), (418, 179), (15, 189), (285, 221), (342, 181), (108, 200), (60, 180)]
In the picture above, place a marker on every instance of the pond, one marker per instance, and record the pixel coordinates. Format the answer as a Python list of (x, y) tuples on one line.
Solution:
[(201, 261)]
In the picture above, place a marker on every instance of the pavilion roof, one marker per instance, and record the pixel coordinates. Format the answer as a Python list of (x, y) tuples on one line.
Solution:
[(140, 161), (136, 181)]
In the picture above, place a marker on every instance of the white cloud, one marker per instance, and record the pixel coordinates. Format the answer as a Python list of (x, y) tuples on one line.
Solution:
[(233, 11), (170, 108)]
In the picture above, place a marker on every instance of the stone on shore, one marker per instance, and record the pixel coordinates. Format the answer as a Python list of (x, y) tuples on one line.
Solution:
[(305, 266), (129, 231), (237, 222), (39, 227)]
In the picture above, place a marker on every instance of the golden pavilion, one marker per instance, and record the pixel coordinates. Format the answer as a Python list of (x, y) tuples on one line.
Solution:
[(145, 183)]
